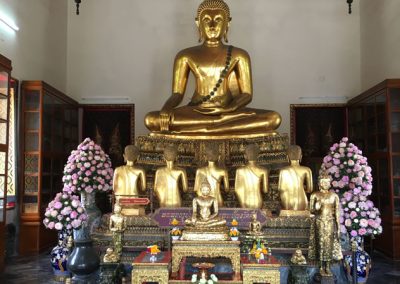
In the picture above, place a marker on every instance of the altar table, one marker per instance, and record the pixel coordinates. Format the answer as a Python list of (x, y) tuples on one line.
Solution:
[(208, 249), (265, 271)]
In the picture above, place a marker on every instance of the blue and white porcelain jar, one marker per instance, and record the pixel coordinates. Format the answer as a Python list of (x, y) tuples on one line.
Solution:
[(59, 257), (363, 262)]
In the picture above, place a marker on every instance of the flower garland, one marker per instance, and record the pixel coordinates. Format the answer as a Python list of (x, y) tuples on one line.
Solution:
[(352, 181), (88, 168), (64, 212)]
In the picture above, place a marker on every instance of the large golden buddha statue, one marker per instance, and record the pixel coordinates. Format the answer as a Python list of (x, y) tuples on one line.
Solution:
[(223, 86)]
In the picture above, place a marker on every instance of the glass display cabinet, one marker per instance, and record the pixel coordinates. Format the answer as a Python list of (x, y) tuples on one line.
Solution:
[(374, 126), (5, 78), (49, 131)]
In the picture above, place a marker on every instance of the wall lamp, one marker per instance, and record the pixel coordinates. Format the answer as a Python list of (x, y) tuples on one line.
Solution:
[(9, 23)]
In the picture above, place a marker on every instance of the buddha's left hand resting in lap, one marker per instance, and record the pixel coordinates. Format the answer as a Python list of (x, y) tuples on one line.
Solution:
[(223, 85)]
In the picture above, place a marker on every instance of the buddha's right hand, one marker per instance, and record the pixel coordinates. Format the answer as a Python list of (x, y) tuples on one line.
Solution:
[(165, 118)]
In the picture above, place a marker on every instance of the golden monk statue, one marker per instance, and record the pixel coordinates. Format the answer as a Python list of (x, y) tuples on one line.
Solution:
[(255, 226), (169, 180), (298, 258), (294, 181), (251, 180), (325, 227), (223, 85), (111, 256), (129, 180), (205, 223), (117, 227), (214, 175)]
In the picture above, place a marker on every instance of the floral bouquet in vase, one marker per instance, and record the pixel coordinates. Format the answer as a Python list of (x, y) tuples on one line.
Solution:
[(63, 214), (233, 231), (88, 170), (352, 181), (176, 233)]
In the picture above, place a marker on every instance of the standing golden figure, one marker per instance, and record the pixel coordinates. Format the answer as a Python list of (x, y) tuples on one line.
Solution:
[(325, 227), (215, 175), (294, 181), (251, 180), (129, 180), (117, 226), (223, 86), (168, 180)]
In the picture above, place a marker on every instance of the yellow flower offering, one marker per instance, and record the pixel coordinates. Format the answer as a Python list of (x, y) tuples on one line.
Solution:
[(234, 222), (153, 249), (174, 222)]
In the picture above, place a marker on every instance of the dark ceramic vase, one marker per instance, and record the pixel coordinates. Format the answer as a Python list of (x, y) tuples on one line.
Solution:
[(84, 261)]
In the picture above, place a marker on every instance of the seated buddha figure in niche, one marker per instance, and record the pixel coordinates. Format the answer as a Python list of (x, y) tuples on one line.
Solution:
[(223, 85)]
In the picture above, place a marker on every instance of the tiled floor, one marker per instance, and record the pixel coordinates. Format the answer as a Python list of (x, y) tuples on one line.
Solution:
[(36, 269)]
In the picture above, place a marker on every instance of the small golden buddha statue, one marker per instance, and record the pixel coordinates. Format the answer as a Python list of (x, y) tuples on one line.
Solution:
[(214, 175), (223, 85), (169, 179), (205, 223), (325, 227), (294, 181), (117, 227), (129, 180), (111, 256), (251, 180), (298, 258), (255, 226)]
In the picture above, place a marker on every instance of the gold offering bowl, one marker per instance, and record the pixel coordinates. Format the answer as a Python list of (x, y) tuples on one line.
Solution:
[(203, 267)]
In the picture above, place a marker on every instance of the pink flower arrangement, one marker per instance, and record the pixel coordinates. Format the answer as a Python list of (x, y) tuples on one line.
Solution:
[(348, 169), (359, 217), (64, 212), (88, 168), (352, 181)]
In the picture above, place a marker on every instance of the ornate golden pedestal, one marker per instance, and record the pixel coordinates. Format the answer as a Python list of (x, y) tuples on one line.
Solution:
[(209, 249), (265, 271), (144, 270)]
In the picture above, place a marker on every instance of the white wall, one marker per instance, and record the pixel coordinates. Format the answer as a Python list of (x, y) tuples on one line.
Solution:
[(124, 50), (380, 41), (38, 49)]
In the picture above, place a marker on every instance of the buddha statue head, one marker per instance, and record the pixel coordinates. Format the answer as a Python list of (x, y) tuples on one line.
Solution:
[(294, 153), (131, 153), (213, 18), (324, 181), (117, 208), (211, 152), (251, 152), (170, 153), (205, 188)]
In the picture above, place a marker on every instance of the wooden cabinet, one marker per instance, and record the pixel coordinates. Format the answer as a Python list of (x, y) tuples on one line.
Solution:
[(5, 78), (49, 131), (374, 126)]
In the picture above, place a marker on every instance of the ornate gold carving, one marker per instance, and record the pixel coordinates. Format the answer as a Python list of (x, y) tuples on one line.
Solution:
[(209, 249), (261, 275), (150, 274)]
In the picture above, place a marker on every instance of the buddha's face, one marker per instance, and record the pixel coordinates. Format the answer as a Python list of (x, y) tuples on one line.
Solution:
[(205, 190), (117, 209), (325, 184), (213, 23)]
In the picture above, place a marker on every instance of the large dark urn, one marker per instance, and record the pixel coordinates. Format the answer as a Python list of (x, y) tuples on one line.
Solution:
[(84, 262)]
